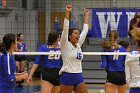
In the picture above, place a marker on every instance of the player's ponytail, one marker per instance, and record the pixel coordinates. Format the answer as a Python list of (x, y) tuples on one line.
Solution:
[(105, 45), (53, 37), (113, 36)]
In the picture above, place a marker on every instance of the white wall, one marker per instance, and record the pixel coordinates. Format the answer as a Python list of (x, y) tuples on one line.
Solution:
[(31, 29), (27, 21), (2, 26), (47, 17), (78, 5), (7, 23)]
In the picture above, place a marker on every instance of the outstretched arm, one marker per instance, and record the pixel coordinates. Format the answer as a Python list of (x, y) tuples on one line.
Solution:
[(85, 27), (35, 65), (64, 36)]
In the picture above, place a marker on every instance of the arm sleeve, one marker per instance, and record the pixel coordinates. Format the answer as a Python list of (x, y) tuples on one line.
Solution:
[(104, 60), (83, 34), (64, 36), (127, 70), (38, 57), (7, 68)]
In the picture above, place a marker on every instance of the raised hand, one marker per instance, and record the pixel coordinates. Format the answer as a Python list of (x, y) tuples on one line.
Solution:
[(68, 11), (86, 15), (29, 80), (68, 8), (86, 12)]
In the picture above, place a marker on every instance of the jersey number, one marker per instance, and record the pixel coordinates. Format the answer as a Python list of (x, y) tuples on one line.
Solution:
[(54, 56), (115, 57), (79, 56)]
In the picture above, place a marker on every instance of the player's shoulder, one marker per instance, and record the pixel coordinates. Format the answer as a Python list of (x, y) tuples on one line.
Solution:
[(133, 53), (24, 43), (133, 56), (3, 54), (122, 48)]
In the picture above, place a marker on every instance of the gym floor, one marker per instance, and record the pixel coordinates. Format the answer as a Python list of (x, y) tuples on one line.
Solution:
[(35, 87)]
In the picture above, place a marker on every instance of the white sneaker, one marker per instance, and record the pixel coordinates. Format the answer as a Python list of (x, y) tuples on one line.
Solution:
[(102, 91)]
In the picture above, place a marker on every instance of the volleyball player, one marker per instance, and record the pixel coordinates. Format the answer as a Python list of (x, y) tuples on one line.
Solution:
[(21, 47), (20, 59), (114, 65), (51, 65), (70, 44), (8, 64), (132, 64), (134, 22)]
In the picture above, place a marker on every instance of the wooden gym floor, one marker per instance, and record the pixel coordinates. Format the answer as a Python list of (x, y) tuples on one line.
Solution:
[(35, 88)]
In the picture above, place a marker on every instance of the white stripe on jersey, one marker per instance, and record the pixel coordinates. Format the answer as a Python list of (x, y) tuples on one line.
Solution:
[(8, 63), (132, 69)]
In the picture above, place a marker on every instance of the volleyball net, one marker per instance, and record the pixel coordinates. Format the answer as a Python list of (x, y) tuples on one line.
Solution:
[(92, 71), (84, 53)]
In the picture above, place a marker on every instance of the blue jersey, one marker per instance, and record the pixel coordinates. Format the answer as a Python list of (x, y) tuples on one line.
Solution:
[(22, 46), (114, 62), (49, 61), (7, 70)]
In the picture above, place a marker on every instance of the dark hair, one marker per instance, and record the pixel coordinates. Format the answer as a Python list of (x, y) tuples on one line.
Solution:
[(124, 43), (71, 31), (113, 36), (52, 37), (8, 39), (18, 36), (2, 47), (135, 32), (138, 43)]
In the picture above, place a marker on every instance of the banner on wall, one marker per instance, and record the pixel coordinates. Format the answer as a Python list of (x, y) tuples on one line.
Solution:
[(104, 20)]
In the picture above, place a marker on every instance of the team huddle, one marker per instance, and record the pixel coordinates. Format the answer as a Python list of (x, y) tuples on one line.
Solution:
[(63, 73)]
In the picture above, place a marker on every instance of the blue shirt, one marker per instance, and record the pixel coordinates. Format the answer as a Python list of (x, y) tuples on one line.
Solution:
[(22, 47), (114, 62), (49, 61), (7, 70)]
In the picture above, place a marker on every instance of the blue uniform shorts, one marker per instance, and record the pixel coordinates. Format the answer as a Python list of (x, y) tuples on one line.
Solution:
[(71, 79), (7, 90), (134, 90)]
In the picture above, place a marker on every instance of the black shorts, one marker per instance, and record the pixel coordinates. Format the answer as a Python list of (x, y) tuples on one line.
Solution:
[(20, 58), (51, 75), (116, 77)]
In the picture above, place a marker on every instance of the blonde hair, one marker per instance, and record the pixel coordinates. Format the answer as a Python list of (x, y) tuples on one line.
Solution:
[(113, 36)]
